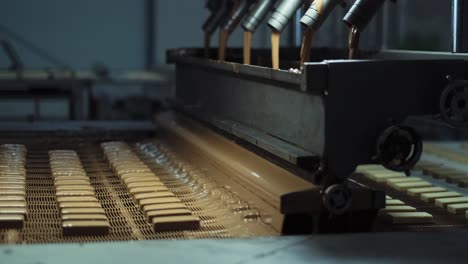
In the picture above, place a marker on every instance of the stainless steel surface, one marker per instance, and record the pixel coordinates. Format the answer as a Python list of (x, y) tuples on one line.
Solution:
[(459, 29), (218, 18), (390, 54), (257, 15), (237, 16), (318, 12), (362, 12), (291, 153), (283, 13)]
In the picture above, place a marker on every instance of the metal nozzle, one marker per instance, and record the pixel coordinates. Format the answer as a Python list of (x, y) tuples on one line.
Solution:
[(257, 15), (213, 5), (283, 13), (218, 16), (362, 12), (238, 14), (318, 12)]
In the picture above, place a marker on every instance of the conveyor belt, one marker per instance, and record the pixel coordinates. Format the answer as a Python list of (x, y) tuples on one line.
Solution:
[(454, 159), (222, 213)]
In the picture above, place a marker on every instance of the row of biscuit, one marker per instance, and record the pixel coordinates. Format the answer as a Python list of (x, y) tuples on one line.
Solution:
[(396, 211), (161, 207), (446, 152), (80, 210), (13, 209), (452, 201)]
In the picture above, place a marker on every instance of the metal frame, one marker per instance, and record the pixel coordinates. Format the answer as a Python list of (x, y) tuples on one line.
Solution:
[(459, 28), (334, 109)]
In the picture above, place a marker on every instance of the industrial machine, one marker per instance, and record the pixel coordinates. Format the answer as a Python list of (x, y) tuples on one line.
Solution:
[(260, 143)]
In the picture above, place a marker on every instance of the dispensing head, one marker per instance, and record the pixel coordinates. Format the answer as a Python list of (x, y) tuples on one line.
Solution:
[(318, 12), (212, 5), (361, 13), (237, 15), (218, 16), (257, 15), (283, 13)]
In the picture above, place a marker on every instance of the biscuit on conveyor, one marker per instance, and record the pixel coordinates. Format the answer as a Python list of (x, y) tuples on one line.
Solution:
[(11, 220), (397, 208), (366, 167), (77, 199), (430, 197), (141, 196), (12, 181), (427, 170), (169, 212), (74, 193), (12, 177), (85, 227), (393, 202), (80, 205), (144, 184), (62, 178), (13, 192), (69, 173), (134, 174), (85, 187), (403, 179), (82, 211), (443, 172), (71, 182), (457, 179), (159, 200), (444, 202), (5, 198), (176, 223), (382, 177), (462, 183), (416, 192), (13, 204), (12, 187), (158, 207), (459, 208), (14, 211), (148, 189), (402, 186), (409, 217), (89, 217), (140, 179)]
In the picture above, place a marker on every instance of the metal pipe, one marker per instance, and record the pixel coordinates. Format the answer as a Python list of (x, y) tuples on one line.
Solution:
[(361, 13), (150, 41), (318, 12), (16, 63), (257, 15), (218, 16), (237, 15), (357, 18), (212, 5), (457, 25), (283, 13)]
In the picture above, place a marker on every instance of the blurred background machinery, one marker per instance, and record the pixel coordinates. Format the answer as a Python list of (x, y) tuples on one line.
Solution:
[(53, 35)]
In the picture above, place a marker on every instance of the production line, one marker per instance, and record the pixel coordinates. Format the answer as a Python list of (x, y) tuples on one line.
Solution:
[(256, 143)]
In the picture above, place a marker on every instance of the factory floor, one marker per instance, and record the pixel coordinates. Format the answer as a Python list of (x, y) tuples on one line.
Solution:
[(442, 247)]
